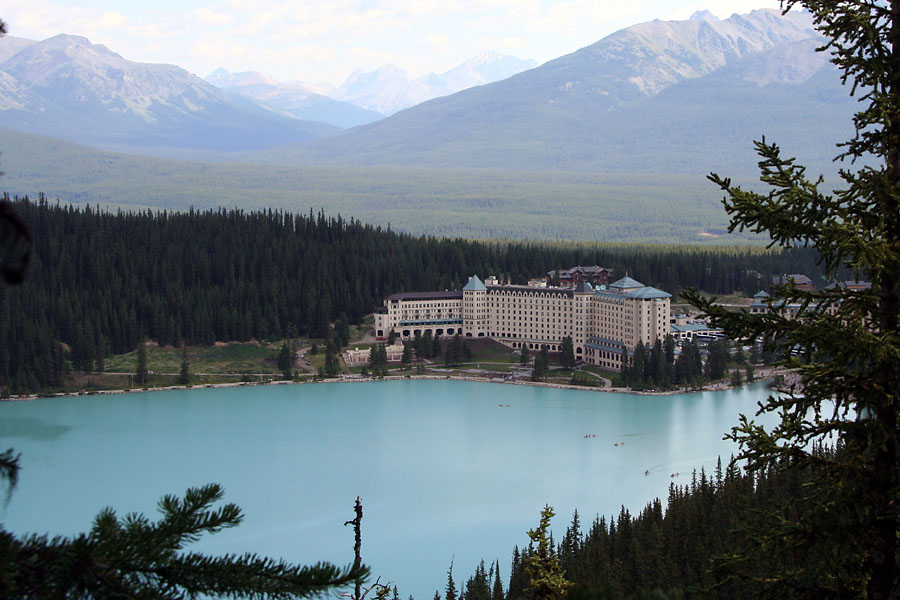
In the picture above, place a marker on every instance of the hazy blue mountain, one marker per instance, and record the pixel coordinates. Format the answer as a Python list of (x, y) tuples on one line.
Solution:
[(11, 45), (389, 89), (68, 88), (670, 96), (295, 99)]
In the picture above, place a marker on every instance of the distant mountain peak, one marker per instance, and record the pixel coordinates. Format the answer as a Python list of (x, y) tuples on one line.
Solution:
[(218, 75), (65, 41), (225, 78), (294, 99), (68, 39), (10, 45), (703, 15), (388, 89), (485, 57)]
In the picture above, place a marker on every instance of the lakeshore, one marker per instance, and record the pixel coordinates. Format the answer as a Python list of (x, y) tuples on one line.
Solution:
[(765, 374)]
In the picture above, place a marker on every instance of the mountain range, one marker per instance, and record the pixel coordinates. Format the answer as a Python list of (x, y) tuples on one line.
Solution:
[(668, 96), (547, 151), (367, 96), (69, 88)]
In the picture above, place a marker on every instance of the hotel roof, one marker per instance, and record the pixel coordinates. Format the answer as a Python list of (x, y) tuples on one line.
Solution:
[(626, 283), (475, 285), (647, 293), (425, 295)]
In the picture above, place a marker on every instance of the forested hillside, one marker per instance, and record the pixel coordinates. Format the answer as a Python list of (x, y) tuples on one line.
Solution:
[(476, 203), (101, 282)]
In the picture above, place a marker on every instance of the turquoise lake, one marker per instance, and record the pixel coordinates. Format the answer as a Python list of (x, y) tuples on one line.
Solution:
[(444, 472)]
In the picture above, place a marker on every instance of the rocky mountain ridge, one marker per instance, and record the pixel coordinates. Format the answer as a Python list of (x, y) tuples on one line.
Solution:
[(590, 109), (69, 88)]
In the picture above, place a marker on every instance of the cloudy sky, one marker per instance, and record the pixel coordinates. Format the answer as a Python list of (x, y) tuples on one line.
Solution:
[(323, 41)]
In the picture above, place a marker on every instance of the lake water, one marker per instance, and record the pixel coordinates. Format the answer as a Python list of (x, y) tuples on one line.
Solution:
[(444, 472)]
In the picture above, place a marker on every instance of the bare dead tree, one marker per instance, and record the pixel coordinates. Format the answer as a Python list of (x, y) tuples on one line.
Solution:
[(360, 593), (357, 546)]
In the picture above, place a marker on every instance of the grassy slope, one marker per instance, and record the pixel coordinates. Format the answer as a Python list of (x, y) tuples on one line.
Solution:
[(257, 361), (475, 203)]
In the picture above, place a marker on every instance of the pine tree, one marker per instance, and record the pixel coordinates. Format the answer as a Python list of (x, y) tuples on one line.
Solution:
[(406, 358), (332, 362), (497, 587), (342, 330), (478, 587), (669, 345), (378, 360), (656, 368), (539, 369), (417, 345), (427, 344), (546, 580), (567, 354), (455, 352), (140, 374), (134, 557), (848, 341), (285, 357), (450, 589), (716, 360), (638, 367), (184, 376), (99, 349)]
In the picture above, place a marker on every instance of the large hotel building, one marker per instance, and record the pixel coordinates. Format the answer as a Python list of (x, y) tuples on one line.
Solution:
[(604, 322)]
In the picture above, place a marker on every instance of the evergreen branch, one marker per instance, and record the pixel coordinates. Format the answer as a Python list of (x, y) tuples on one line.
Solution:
[(9, 469), (134, 558)]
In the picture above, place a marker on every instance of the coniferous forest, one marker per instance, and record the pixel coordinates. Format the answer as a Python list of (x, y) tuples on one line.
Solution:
[(708, 542), (101, 282)]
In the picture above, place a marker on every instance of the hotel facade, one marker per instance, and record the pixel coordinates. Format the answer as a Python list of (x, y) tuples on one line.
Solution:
[(604, 322)]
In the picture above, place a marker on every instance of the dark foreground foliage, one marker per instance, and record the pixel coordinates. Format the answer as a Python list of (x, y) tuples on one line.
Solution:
[(134, 557)]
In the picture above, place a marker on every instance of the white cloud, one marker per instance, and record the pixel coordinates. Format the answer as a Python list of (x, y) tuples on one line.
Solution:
[(208, 16), (153, 31), (508, 44), (438, 41), (259, 22), (111, 19), (577, 16)]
